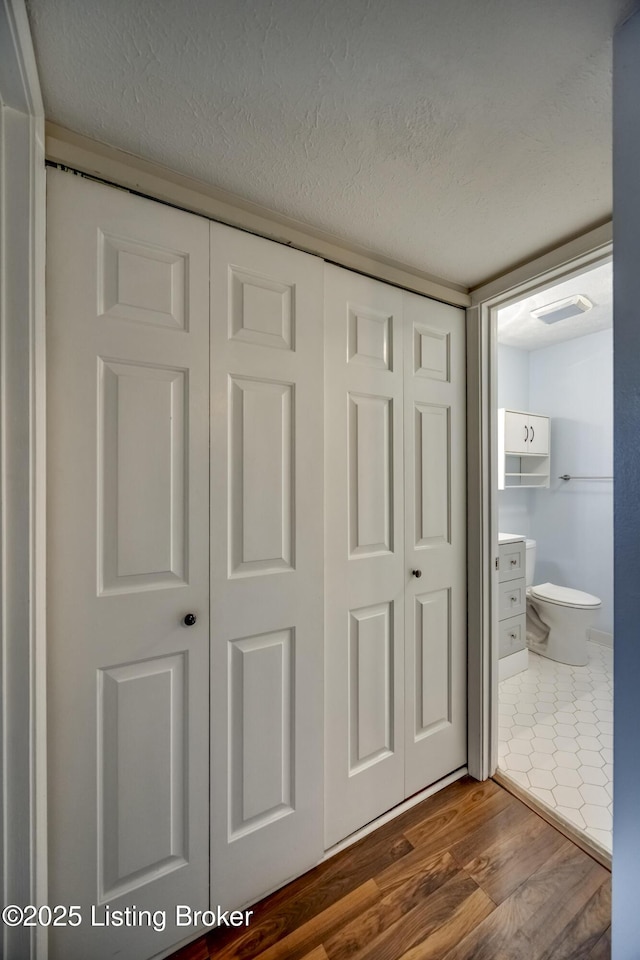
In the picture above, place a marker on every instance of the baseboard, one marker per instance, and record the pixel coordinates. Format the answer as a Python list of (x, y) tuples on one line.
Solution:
[(582, 840), (600, 636), (512, 664)]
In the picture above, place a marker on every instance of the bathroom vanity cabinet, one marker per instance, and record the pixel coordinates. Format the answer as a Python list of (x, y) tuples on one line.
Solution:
[(511, 605)]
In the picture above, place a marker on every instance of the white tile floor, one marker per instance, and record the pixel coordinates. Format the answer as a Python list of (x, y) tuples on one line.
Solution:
[(556, 737)]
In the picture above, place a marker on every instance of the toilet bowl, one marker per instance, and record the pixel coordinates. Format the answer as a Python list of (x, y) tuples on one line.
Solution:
[(566, 612)]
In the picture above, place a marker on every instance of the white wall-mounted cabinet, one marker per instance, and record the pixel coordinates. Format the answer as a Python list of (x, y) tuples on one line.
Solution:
[(523, 449), (187, 438)]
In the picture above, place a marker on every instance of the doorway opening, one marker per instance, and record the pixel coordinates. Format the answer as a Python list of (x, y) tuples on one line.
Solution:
[(552, 495)]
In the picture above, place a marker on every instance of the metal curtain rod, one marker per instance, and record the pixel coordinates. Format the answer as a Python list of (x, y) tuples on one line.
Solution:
[(566, 476)]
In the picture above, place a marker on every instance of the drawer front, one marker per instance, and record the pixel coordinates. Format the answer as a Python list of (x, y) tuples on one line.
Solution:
[(512, 558), (512, 635), (512, 600)]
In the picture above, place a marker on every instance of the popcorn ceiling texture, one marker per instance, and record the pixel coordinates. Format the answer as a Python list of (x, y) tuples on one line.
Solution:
[(456, 136)]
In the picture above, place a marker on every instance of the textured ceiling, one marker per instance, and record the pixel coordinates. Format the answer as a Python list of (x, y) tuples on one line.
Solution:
[(517, 328), (456, 136)]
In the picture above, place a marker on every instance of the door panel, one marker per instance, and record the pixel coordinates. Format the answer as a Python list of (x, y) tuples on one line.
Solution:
[(433, 658), (261, 730), (435, 541), (538, 435), (432, 474), (267, 567), (516, 432), (370, 444), (262, 456), (142, 460), (364, 560), (141, 809), (371, 685), (128, 398)]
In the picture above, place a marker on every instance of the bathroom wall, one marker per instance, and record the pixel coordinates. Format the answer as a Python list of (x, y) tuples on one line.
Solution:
[(573, 521), (513, 394)]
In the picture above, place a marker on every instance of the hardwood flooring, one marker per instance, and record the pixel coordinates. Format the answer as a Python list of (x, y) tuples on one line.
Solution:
[(469, 874)]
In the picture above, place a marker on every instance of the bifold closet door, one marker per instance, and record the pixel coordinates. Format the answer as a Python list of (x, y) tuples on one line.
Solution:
[(365, 569), (267, 564), (128, 540), (435, 541), (395, 604)]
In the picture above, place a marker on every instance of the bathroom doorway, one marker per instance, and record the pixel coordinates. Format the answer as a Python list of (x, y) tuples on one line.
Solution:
[(553, 420)]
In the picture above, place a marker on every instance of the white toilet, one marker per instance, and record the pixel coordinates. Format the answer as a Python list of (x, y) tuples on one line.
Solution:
[(568, 613)]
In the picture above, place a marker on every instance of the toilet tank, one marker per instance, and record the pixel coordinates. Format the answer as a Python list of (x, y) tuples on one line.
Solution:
[(529, 562)]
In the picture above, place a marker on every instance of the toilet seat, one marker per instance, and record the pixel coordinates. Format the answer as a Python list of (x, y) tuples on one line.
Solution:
[(565, 596)]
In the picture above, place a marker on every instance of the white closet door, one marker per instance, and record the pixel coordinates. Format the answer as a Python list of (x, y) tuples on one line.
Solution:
[(364, 551), (435, 538), (267, 564), (128, 402)]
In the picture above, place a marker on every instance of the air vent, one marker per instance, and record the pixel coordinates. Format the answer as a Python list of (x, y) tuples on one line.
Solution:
[(562, 309)]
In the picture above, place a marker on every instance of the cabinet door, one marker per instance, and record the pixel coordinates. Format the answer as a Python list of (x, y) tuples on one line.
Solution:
[(435, 541), (128, 543), (266, 565), (365, 564), (516, 432), (538, 435)]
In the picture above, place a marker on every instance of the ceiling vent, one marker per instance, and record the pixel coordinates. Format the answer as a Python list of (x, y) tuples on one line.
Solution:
[(562, 309)]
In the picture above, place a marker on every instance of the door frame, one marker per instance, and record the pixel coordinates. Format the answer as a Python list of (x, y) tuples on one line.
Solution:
[(563, 263), (23, 877)]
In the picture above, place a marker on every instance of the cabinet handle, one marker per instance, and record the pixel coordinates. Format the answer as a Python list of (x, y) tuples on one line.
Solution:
[(189, 619), (532, 434), (526, 434), (513, 599), (417, 573), (512, 636), (513, 562)]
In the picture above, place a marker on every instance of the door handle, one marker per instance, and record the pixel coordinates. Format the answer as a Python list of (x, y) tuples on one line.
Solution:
[(417, 574)]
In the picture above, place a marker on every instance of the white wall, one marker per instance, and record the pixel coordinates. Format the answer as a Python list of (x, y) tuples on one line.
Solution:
[(513, 393), (572, 522)]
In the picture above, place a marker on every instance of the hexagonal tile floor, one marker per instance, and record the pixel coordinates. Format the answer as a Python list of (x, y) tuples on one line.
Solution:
[(556, 737)]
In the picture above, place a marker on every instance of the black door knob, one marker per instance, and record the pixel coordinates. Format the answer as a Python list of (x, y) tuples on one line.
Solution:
[(417, 574), (189, 620)]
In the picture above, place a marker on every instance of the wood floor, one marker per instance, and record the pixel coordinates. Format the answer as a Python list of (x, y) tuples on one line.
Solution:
[(469, 874)]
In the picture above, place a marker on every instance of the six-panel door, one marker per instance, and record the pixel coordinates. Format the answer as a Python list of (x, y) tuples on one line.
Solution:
[(435, 541), (364, 551), (266, 564), (128, 501)]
